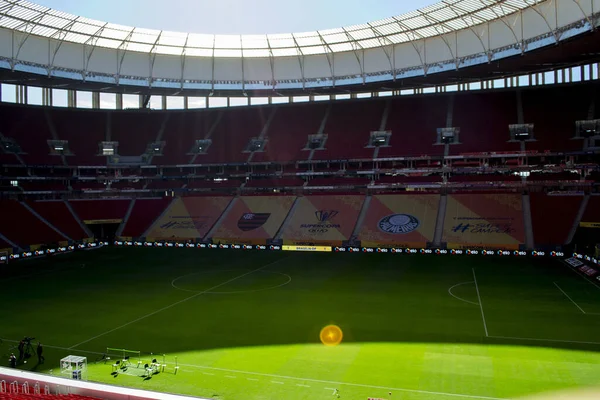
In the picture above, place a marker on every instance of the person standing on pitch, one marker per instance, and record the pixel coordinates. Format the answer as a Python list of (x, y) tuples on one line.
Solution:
[(12, 361), (40, 351), (21, 348)]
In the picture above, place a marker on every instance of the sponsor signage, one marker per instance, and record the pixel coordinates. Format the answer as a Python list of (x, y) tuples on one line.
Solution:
[(398, 223), (324, 222), (305, 248), (102, 221), (483, 228), (184, 222), (251, 221), (589, 224)]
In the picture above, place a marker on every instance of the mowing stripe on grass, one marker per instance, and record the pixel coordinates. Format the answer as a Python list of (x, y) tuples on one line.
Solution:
[(480, 304), (459, 298), (543, 340), (467, 396), (176, 303), (569, 297)]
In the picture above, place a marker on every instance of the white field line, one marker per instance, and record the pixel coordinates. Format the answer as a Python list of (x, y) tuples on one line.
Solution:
[(576, 272), (176, 303), (235, 371), (459, 298), (480, 304), (298, 384), (252, 379), (455, 395), (277, 382), (289, 279), (543, 340), (569, 297)]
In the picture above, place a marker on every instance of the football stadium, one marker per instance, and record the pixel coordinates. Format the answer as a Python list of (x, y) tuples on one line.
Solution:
[(407, 208)]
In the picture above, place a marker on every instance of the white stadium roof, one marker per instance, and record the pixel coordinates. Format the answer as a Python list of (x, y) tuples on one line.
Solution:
[(446, 36), (437, 19)]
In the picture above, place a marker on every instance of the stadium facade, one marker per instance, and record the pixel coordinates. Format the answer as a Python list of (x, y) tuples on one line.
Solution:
[(53, 48), (470, 127), (464, 95)]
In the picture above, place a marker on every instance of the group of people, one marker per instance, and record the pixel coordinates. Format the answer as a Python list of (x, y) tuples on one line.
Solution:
[(12, 361)]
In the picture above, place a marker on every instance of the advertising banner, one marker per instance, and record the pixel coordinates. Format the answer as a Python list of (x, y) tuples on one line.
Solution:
[(189, 218), (484, 220), (400, 220), (323, 220), (253, 219)]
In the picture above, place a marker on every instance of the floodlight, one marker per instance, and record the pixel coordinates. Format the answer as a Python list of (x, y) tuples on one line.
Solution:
[(521, 131)]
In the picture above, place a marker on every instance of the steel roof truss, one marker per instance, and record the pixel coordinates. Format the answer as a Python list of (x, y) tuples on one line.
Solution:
[(443, 35), (271, 62), (385, 42), (183, 49), (538, 12), (122, 49), (152, 57), (585, 16), (60, 37), (463, 14), (300, 61), (359, 53), (89, 46), (502, 19), (27, 26), (412, 35), (5, 9)]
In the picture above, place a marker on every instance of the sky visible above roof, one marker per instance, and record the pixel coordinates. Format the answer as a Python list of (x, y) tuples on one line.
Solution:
[(237, 16)]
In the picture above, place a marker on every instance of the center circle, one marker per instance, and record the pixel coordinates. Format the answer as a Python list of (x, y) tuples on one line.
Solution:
[(205, 281)]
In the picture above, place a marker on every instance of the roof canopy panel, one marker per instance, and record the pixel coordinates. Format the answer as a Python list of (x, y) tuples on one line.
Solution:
[(434, 20)]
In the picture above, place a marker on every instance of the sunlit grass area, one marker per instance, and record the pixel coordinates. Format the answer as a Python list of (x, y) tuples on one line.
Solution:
[(246, 325)]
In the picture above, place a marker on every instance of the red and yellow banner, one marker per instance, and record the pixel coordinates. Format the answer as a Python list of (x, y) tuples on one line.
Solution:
[(323, 220), (189, 218), (253, 219), (400, 220), (484, 220)]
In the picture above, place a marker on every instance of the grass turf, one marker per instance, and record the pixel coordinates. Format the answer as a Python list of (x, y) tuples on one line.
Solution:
[(245, 325)]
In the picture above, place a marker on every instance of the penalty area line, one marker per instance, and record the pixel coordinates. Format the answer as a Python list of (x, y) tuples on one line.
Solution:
[(177, 303), (569, 297)]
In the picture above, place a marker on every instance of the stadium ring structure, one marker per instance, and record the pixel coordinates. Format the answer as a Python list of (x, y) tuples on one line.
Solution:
[(55, 47)]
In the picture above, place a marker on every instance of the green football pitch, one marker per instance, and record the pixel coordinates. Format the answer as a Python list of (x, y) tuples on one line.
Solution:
[(245, 325)]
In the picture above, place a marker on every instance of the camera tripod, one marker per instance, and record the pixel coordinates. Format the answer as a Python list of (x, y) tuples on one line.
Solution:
[(28, 350)]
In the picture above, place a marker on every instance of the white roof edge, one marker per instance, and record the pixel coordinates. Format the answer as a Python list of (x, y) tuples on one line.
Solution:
[(31, 18)]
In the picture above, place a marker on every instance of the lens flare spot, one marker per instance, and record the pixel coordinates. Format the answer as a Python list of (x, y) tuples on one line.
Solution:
[(331, 335)]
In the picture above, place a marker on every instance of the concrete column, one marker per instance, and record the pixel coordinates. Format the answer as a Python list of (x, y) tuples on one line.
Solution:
[(119, 105), (96, 100), (185, 103), (71, 98)]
